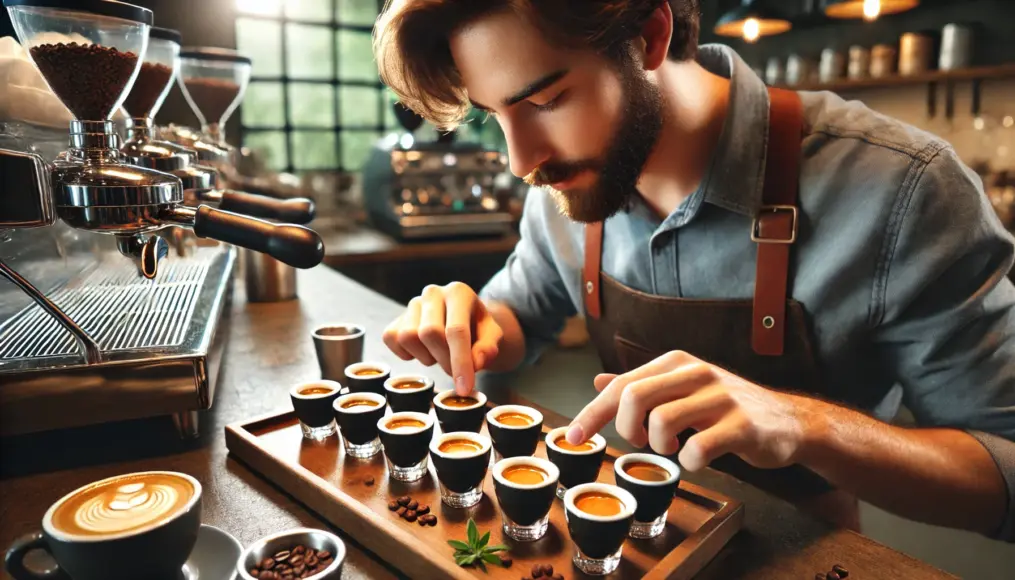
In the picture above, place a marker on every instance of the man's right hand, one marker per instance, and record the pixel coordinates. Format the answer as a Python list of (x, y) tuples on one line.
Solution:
[(450, 326)]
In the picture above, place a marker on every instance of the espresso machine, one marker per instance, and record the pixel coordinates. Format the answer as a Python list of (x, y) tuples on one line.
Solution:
[(98, 322), (417, 190)]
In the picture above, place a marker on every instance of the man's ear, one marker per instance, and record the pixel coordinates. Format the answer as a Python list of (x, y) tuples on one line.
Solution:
[(656, 34)]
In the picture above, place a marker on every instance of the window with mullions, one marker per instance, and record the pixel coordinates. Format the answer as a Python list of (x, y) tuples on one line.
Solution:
[(315, 100)]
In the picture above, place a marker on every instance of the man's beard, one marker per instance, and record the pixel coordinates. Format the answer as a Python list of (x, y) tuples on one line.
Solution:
[(619, 169)]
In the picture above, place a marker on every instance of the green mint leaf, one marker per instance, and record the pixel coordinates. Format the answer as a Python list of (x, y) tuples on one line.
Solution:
[(460, 545), (482, 566), (497, 548), (484, 540), (473, 532), (469, 559), (493, 559), (460, 561)]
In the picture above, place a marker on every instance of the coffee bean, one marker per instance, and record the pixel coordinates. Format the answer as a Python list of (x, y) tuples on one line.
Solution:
[(282, 556), (255, 572), (423, 509), (299, 568), (401, 511), (299, 550), (283, 568), (269, 575), (296, 559), (288, 576), (324, 554), (547, 570), (404, 500), (433, 521), (393, 505), (88, 78), (410, 515), (311, 560), (412, 505), (369, 480), (537, 571), (840, 570), (267, 564), (212, 96), (832, 576), (506, 561), (151, 80)]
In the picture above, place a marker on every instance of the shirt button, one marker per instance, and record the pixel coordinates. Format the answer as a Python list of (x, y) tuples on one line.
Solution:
[(589, 287)]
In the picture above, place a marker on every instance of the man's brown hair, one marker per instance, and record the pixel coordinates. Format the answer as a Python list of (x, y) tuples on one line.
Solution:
[(414, 58)]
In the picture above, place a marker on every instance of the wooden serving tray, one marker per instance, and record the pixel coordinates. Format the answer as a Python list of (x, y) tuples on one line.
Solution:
[(320, 475)]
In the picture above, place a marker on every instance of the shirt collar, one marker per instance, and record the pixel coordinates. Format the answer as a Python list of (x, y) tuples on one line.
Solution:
[(736, 177)]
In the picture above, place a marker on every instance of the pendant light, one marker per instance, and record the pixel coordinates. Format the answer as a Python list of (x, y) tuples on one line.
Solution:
[(867, 9), (752, 20)]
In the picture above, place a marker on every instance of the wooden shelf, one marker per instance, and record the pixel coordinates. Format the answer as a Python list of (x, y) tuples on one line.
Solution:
[(969, 74)]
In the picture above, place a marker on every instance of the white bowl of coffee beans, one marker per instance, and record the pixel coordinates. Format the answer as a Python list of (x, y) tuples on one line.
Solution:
[(298, 553)]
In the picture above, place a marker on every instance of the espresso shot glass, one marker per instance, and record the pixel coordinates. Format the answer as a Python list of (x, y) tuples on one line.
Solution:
[(598, 519), (409, 393), (525, 488), (461, 459), (357, 415), (312, 403), (578, 464), (652, 480), (367, 377), (406, 440), (455, 413), (515, 430)]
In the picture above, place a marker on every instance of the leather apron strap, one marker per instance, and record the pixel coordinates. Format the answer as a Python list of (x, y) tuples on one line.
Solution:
[(774, 229)]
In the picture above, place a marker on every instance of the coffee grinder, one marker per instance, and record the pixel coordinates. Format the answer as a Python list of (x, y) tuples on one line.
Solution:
[(213, 81), (93, 188), (200, 183)]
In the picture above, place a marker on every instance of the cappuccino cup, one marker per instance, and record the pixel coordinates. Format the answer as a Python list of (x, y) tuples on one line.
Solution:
[(136, 525)]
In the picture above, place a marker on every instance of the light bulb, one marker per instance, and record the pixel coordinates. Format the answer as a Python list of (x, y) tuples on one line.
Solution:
[(752, 29), (871, 9)]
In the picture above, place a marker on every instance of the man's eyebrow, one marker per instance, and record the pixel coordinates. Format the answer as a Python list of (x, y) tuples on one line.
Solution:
[(533, 88)]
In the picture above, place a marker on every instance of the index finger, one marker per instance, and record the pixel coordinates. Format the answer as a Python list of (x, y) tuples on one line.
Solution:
[(460, 306), (604, 407)]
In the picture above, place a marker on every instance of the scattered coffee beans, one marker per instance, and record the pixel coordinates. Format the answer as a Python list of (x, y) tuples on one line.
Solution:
[(840, 570), (151, 81), (88, 78), (299, 562), (212, 96), (423, 510), (539, 570), (404, 500), (401, 511), (411, 511), (413, 504), (506, 561), (393, 505), (832, 576)]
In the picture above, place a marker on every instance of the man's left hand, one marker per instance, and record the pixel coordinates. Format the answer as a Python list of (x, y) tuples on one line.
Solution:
[(677, 391)]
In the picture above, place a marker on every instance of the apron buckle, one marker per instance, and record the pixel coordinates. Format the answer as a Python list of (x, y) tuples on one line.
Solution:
[(767, 213)]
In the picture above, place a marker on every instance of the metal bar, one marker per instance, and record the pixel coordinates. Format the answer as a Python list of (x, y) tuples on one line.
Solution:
[(88, 345)]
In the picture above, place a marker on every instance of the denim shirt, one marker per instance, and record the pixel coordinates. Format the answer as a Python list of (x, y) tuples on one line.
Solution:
[(900, 261)]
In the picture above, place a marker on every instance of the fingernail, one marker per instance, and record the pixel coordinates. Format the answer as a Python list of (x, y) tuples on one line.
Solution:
[(460, 385), (575, 434)]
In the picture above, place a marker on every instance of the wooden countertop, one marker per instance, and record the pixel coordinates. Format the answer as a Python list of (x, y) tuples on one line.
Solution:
[(365, 245), (269, 349)]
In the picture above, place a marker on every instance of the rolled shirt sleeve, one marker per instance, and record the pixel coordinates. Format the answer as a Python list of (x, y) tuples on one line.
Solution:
[(944, 310), (531, 283)]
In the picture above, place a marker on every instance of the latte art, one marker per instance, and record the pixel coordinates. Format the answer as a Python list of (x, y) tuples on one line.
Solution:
[(123, 505)]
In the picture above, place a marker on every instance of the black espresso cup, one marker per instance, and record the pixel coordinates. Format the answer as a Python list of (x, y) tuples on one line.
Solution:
[(89, 533), (357, 415), (525, 489), (652, 480), (514, 429), (577, 466), (598, 539), (409, 393), (461, 468), (367, 377), (453, 416), (312, 404), (406, 443)]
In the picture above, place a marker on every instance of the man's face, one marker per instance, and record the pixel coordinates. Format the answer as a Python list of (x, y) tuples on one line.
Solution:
[(577, 123)]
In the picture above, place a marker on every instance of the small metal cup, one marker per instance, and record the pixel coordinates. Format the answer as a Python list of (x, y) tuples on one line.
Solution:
[(338, 346), (267, 279)]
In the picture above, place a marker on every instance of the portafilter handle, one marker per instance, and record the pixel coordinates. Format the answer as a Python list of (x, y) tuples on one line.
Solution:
[(298, 246), (298, 210)]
